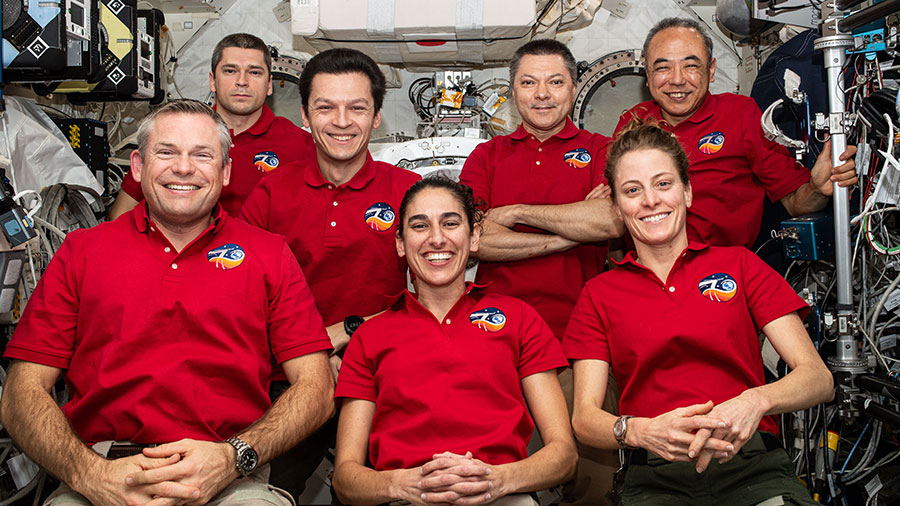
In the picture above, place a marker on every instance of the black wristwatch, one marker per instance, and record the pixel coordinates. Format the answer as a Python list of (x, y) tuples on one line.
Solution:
[(246, 459), (351, 323), (620, 429)]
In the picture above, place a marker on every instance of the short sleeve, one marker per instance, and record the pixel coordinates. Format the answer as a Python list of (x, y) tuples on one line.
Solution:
[(640, 111), (357, 377), (771, 162), (46, 333), (600, 145), (585, 336), (295, 326), (768, 295), (539, 349), (475, 174), (255, 209), (132, 187)]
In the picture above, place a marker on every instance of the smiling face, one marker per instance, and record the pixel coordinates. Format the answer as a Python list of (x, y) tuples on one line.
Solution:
[(341, 116), (241, 82), (651, 199), (437, 239), (181, 173), (544, 94), (679, 72)]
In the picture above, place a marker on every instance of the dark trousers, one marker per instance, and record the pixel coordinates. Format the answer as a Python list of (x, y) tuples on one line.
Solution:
[(760, 472)]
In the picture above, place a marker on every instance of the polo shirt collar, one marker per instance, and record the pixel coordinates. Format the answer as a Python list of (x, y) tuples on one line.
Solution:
[(262, 123), (631, 256), (568, 131), (706, 110), (411, 301), (313, 176), (142, 217)]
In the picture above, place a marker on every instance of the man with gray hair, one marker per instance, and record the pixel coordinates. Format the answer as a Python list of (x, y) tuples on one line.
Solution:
[(167, 350), (733, 166)]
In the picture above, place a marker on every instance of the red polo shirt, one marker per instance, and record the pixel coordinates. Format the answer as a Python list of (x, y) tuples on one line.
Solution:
[(452, 386), (159, 345), (733, 167), (518, 169), (270, 143), (685, 340), (343, 236)]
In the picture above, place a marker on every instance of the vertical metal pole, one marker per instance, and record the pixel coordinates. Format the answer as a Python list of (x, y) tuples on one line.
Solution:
[(834, 45)]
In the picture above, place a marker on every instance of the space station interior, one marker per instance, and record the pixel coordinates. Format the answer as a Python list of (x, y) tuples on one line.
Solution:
[(78, 76)]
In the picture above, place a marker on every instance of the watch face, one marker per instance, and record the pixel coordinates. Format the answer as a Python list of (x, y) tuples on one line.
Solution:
[(248, 460)]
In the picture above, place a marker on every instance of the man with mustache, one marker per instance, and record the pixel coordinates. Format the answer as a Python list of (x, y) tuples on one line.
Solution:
[(241, 79)]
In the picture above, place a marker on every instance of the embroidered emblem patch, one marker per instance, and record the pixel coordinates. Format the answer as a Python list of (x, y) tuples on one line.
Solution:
[(227, 256), (490, 319), (380, 216), (265, 161), (711, 143), (577, 158), (719, 287)]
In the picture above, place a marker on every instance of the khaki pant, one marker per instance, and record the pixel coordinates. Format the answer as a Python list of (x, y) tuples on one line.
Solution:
[(254, 490), (510, 500)]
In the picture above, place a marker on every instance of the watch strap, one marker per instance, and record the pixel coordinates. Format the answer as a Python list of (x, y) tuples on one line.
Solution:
[(351, 323), (620, 430), (241, 449)]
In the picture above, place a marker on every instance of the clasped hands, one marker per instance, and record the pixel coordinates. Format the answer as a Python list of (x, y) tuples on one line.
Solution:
[(184, 472), (701, 432), (450, 479)]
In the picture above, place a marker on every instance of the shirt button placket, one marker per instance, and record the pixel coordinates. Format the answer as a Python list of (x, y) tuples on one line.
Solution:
[(332, 218)]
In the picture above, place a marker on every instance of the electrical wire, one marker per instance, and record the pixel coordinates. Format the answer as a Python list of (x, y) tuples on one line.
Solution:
[(855, 445)]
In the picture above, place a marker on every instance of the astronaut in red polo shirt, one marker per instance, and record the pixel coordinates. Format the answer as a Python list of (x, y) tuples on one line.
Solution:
[(546, 231), (442, 391), (170, 344), (733, 165), (338, 210), (543, 237), (241, 79)]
